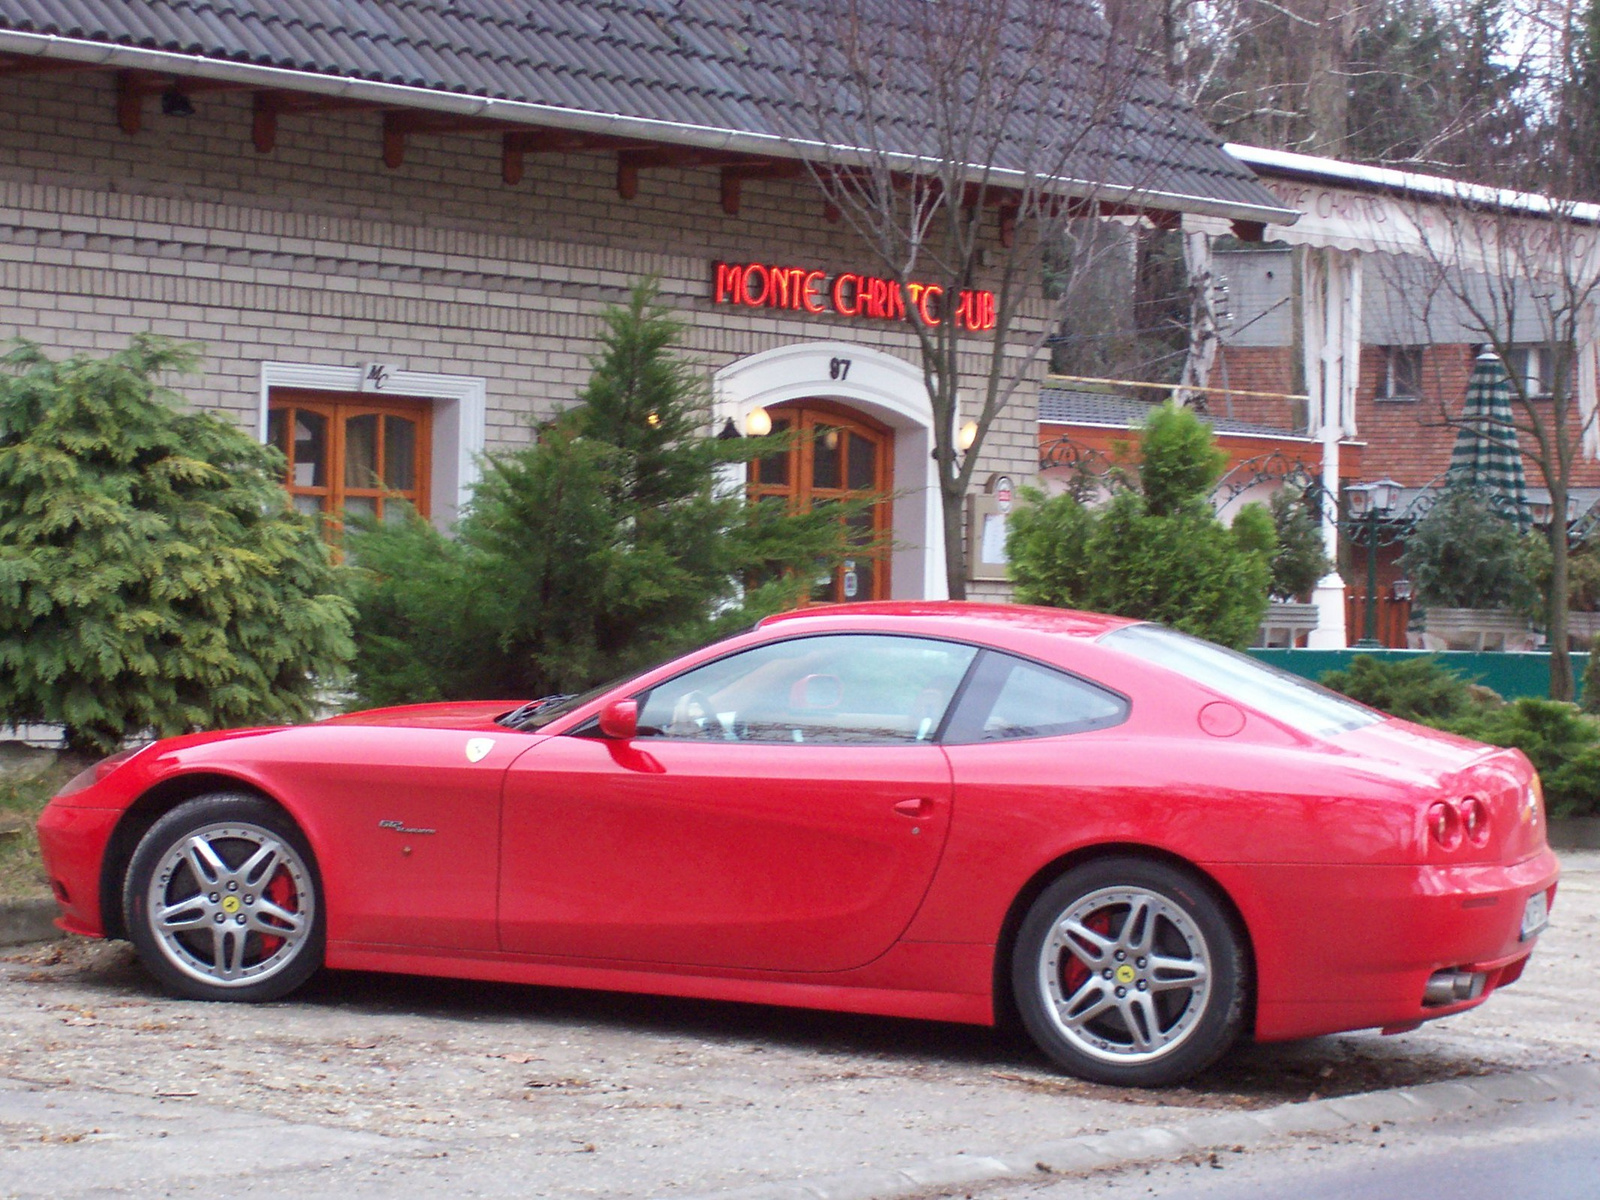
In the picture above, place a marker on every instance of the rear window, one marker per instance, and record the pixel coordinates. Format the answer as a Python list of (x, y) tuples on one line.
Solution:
[(1297, 702)]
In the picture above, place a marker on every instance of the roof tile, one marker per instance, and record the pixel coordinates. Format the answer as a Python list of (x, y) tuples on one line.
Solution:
[(726, 65)]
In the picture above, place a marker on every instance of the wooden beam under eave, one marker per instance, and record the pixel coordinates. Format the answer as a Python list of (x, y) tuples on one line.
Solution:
[(627, 178), (511, 160), (394, 140), (1008, 225), (130, 102), (730, 191), (264, 122)]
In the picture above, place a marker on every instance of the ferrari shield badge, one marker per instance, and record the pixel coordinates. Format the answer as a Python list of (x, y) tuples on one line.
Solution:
[(478, 747)]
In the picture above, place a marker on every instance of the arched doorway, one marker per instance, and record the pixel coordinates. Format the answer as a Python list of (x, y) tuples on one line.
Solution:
[(885, 396), (838, 455)]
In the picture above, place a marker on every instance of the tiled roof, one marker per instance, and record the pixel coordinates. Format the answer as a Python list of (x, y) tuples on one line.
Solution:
[(697, 67), (1061, 406)]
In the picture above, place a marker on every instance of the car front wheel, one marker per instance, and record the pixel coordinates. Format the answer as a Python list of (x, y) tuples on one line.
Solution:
[(222, 899), (1129, 972)]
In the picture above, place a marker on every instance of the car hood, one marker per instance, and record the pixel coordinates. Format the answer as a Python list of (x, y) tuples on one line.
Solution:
[(448, 714)]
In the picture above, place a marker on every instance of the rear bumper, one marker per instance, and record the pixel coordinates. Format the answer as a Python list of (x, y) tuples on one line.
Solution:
[(1378, 935), (72, 842)]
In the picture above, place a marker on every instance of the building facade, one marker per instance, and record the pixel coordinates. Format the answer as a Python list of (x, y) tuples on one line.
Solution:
[(390, 286)]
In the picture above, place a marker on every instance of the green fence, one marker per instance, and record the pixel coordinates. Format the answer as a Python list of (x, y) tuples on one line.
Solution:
[(1510, 674)]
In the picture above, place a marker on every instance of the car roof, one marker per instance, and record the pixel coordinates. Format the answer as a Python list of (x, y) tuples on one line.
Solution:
[(949, 616)]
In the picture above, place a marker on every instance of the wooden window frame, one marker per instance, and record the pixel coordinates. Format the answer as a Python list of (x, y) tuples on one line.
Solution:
[(339, 407)]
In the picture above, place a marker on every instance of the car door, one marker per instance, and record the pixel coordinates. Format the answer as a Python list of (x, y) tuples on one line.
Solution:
[(783, 808)]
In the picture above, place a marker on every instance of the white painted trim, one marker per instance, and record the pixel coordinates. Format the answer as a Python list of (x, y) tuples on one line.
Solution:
[(460, 425), (884, 387)]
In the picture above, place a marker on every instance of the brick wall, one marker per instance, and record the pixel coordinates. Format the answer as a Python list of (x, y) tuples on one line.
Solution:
[(1264, 369), (1409, 440), (318, 254)]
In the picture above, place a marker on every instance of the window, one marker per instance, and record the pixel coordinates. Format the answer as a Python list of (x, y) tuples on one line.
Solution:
[(1401, 373), (843, 689), (1010, 698), (1535, 368), (838, 456), (352, 454), (1297, 702)]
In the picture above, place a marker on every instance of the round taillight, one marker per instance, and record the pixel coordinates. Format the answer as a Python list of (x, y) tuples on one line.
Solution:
[(1475, 820), (1444, 824)]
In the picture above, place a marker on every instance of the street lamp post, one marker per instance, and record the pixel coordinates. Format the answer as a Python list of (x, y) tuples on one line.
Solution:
[(1367, 505)]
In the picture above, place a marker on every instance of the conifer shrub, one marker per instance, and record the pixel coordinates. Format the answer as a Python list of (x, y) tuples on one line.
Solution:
[(1463, 554), (1417, 689), (1300, 560), (611, 541), (1159, 552), (153, 577)]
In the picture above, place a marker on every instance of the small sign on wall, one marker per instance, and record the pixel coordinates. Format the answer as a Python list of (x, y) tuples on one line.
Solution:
[(986, 529), (378, 377)]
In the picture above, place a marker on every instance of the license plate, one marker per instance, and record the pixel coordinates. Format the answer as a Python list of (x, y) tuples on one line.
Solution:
[(1535, 916)]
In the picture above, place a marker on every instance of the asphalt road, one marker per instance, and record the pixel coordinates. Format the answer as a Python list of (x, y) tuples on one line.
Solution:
[(370, 1085), (1548, 1151)]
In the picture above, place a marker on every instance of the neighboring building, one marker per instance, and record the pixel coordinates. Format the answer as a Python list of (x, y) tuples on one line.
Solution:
[(393, 227), (1417, 351)]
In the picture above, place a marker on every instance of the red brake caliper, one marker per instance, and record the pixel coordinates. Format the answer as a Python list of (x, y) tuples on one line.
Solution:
[(281, 892), (1073, 973)]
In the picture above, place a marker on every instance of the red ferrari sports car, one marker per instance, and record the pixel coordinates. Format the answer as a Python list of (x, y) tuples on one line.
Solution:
[(1143, 844)]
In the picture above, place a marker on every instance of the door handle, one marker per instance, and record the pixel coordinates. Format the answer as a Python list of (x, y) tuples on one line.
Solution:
[(916, 808)]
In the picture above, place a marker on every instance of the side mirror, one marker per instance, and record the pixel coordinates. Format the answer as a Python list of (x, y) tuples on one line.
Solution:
[(620, 719)]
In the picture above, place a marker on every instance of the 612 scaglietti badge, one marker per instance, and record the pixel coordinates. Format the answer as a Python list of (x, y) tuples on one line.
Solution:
[(1142, 844)]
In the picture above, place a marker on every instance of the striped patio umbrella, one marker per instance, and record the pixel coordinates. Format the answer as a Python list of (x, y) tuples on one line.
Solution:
[(1486, 455)]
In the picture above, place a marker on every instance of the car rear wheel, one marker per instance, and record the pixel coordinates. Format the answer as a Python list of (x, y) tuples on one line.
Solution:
[(1129, 972), (223, 901)]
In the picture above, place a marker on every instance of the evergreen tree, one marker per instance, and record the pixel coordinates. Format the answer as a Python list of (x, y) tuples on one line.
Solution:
[(1158, 553), (153, 578), (611, 541)]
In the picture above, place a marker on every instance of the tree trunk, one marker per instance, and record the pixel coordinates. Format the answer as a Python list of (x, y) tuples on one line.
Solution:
[(955, 558), (1561, 681)]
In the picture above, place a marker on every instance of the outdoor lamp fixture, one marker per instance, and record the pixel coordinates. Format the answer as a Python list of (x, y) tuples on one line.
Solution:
[(757, 423), (967, 435), (175, 104), (1368, 504)]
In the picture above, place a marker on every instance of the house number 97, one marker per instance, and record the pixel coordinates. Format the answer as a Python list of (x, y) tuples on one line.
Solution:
[(839, 368)]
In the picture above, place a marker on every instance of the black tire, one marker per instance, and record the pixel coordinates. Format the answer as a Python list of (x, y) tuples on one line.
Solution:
[(1106, 1012), (224, 902)]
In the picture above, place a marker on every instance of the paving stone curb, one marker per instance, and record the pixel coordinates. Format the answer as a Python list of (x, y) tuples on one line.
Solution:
[(24, 921), (1130, 1147)]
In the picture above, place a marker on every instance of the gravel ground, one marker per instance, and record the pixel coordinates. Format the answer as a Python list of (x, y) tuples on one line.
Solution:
[(378, 1084)]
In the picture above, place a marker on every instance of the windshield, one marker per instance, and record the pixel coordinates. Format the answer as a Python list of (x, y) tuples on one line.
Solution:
[(536, 714), (1297, 702)]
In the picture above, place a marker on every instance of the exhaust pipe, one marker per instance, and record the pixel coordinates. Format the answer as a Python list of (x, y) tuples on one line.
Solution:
[(1451, 986)]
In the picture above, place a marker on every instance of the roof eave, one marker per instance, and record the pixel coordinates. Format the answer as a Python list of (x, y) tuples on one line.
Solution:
[(582, 121), (1336, 172)]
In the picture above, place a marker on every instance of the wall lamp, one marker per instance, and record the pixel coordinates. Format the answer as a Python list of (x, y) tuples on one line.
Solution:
[(757, 423)]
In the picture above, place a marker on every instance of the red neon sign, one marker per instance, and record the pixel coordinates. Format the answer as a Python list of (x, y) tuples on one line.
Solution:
[(865, 297)]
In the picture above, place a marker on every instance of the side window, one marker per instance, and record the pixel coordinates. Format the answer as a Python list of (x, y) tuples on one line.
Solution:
[(841, 689), (1012, 698)]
